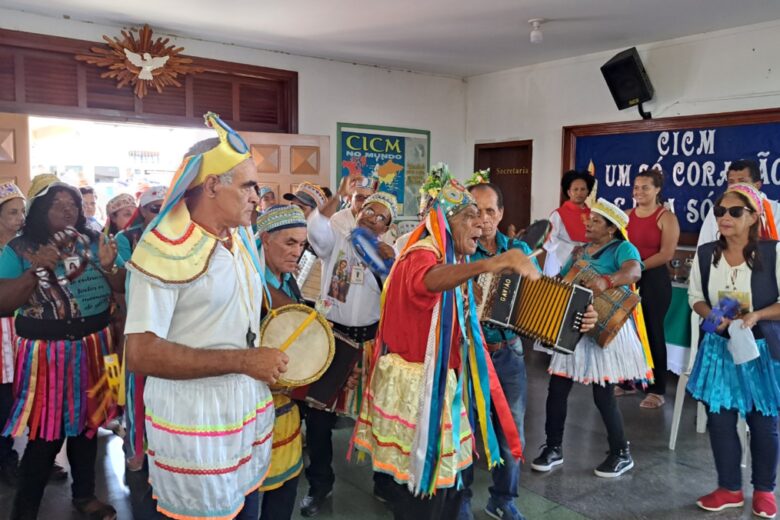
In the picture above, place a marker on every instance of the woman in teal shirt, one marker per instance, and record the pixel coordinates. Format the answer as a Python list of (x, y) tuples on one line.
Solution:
[(618, 263), (62, 290)]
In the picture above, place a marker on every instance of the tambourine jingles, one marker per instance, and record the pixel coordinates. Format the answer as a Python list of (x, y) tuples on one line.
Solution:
[(366, 245), (307, 339), (67, 242)]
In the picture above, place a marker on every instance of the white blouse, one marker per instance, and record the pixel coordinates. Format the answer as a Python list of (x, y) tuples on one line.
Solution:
[(723, 277)]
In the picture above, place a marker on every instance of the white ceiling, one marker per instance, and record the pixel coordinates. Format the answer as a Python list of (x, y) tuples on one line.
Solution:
[(450, 37)]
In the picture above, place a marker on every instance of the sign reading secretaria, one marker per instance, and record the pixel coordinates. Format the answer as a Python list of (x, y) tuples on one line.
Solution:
[(694, 161)]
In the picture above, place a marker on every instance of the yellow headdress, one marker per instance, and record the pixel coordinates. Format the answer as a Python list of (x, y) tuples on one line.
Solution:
[(173, 249)]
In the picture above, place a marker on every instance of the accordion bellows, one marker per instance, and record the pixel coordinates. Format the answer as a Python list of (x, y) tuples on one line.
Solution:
[(547, 309)]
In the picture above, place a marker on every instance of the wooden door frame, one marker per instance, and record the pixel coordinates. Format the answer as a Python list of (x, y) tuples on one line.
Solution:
[(529, 143)]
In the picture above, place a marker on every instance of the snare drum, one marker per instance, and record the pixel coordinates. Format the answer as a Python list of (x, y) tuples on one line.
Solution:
[(305, 336)]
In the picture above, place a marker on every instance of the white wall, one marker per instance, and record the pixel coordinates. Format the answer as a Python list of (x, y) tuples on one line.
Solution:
[(732, 70), (329, 91)]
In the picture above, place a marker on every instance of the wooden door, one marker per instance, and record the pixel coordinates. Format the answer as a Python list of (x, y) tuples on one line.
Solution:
[(286, 160), (15, 150), (510, 170)]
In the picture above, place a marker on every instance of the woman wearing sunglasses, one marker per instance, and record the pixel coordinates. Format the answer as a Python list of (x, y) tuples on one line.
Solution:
[(740, 266)]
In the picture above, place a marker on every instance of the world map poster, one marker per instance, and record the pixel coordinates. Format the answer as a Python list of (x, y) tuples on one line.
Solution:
[(398, 162)]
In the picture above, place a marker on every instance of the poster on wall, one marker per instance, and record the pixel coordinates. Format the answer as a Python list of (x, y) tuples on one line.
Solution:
[(694, 154), (397, 157)]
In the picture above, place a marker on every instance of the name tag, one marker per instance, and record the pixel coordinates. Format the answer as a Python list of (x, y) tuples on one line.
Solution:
[(357, 275)]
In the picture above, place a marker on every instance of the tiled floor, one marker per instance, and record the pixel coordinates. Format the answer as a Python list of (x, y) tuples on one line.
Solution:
[(663, 485)]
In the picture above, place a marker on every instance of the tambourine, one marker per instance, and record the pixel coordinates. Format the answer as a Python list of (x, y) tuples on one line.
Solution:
[(67, 242), (307, 339), (366, 245)]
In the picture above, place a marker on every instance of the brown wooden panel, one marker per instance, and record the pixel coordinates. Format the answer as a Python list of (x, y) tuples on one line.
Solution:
[(7, 76), (259, 102), (104, 94), (50, 79), (252, 98), (213, 94), (510, 170), (172, 101)]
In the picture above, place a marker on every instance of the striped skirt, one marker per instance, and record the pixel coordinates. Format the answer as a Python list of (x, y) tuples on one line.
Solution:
[(287, 450), (208, 442), (386, 426), (59, 389), (7, 348)]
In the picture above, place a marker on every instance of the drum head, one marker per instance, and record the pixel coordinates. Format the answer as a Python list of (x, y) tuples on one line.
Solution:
[(310, 353)]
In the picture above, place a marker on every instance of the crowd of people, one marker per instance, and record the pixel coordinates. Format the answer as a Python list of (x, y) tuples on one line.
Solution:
[(177, 287)]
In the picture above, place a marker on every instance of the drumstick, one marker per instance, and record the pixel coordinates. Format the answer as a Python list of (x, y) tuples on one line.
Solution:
[(297, 332), (536, 253)]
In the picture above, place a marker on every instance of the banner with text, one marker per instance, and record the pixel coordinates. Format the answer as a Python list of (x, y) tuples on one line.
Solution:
[(694, 162)]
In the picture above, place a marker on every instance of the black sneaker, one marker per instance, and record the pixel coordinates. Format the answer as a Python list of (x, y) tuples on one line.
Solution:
[(312, 504), (550, 457), (616, 463)]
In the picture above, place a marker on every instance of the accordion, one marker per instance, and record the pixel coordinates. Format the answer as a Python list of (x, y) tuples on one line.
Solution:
[(548, 310)]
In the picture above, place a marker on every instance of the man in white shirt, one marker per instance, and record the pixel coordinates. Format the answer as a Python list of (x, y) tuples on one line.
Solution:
[(350, 293), (745, 171), (194, 300), (358, 190)]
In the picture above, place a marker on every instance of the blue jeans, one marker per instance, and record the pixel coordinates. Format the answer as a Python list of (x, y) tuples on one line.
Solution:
[(509, 363), (728, 453)]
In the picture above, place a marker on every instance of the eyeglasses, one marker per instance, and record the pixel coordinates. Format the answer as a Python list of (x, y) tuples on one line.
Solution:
[(369, 212), (154, 208), (734, 211)]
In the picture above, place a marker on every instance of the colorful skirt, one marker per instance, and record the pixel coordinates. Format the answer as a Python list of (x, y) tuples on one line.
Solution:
[(60, 390), (7, 348), (720, 384), (623, 359), (208, 442), (287, 450), (386, 426)]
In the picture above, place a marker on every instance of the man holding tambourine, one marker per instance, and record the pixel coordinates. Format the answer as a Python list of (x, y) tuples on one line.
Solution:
[(350, 295)]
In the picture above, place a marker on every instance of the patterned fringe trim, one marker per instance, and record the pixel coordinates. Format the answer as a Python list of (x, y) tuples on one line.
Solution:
[(208, 431), (52, 384), (7, 350)]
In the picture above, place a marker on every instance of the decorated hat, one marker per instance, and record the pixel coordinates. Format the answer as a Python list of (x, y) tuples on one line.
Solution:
[(121, 201), (152, 194), (387, 200), (231, 151), (751, 194), (279, 217), (453, 197), (265, 190), (610, 212), (42, 183), (10, 191), (308, 194), (478, 177)]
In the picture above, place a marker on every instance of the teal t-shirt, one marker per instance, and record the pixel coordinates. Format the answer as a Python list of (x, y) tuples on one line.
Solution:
[(609, 258), (87, 295), (503, 244)]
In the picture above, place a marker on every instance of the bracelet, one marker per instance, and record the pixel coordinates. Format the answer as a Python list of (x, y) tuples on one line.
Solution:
[(114, 269), (609, 280)]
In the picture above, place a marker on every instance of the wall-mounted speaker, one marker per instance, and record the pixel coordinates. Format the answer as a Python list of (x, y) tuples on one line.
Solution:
[(627, 79)]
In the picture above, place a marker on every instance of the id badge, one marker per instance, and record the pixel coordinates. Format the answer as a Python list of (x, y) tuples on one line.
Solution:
[(743, 297), (72, 264), (357, 275)]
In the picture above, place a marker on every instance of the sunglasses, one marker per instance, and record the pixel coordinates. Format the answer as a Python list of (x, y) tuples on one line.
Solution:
[(734, 211)]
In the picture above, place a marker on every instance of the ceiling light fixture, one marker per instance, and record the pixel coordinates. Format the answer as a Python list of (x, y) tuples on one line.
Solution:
[(536, 31)]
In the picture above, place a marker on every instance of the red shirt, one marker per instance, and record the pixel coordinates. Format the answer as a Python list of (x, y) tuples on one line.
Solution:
[(409, 309), (644, 232), (574, 218)]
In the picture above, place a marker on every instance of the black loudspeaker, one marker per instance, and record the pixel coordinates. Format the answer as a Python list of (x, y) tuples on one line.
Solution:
[(627, 79)]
